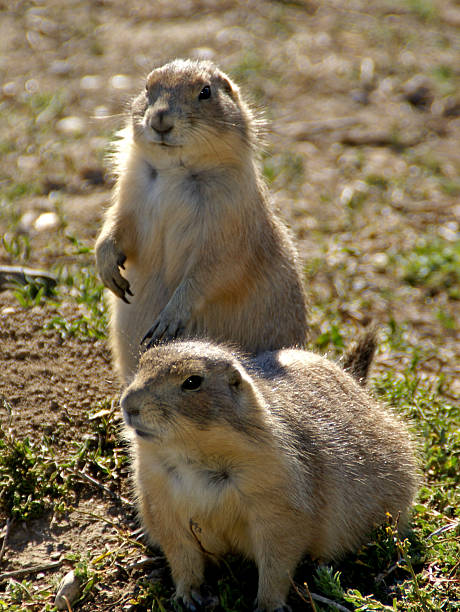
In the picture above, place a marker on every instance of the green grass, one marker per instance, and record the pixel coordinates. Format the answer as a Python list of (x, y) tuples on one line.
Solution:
[(434, 265), (425, 9), (77, 287)]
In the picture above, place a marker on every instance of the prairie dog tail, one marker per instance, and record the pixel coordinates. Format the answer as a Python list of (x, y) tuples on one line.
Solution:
[(357, 360)]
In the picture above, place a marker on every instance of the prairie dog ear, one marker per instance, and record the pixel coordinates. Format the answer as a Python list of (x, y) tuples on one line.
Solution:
[(234, 378), (227, 86)]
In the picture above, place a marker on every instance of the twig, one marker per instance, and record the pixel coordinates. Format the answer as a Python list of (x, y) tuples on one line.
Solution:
[(142, 563), (69, 609), (387, 572), (330, 602), (442, 529), (9, 522), (119, 530), (310, 596), (320, 598), (11, 276), (101, 486), (300, 594), (31, 570)]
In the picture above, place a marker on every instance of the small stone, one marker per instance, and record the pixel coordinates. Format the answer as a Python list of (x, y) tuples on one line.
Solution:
[(47, 222), (120, 81), (7, 310), (60, 67), (71, 125), (68, 591), (27, 220), (91, 82), (380, 261)]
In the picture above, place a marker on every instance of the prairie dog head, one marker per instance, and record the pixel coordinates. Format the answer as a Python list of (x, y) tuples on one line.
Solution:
[(191, 106), (189, 386)]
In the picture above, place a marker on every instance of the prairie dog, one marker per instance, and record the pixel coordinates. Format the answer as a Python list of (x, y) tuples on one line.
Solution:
[(202, 251), (273, 457)]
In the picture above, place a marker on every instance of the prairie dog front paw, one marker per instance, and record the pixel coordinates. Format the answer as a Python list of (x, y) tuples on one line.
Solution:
[(109, 260)]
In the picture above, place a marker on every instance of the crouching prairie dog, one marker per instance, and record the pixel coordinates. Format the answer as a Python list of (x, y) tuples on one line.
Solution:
[(273, 457), (191, 226)]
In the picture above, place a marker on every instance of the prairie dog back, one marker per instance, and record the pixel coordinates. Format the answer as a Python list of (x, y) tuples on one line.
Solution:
[(191, 239), (274, 457)]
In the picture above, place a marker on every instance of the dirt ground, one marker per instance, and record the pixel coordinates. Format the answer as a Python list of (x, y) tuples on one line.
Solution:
[(362, 159)]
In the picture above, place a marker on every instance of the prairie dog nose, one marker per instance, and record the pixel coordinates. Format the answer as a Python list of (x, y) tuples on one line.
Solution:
[(162, 121), (131, 403)]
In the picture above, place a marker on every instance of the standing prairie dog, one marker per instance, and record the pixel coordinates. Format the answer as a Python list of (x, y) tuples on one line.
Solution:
[(202, 251), (273, 457)]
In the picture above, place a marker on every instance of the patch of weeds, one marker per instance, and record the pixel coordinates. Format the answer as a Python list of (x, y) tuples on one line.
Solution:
[(46, 106), (433, 265), (447, 321), (443, 72), (287, 169), (24, 596), (251, 65), (377, 180), (328, 582), (331, 337), (90, 319), (87, 576), (450, 186), (445, 76), (19, 592), (34, 292), (425, 9), (151, 596), (437, 419), (17, 246), (251, 71), (99, 458), (31, 480), (428, 162), (19, 190), (436, 513)]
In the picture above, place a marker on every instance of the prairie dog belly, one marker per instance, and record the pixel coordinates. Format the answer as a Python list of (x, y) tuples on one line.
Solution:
[(204, 498), (167, 235)]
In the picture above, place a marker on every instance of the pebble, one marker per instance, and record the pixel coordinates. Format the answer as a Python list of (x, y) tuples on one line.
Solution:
[(46, 222), (71, 125), (68, 590)]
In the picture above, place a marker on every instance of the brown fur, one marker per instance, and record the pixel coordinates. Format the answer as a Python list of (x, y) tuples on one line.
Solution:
[(273, 457), (192, 227), (357, 360)]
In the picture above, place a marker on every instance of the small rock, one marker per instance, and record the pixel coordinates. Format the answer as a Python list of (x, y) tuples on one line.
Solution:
[(380, 261), (71, 125), (60, 67), (46, 222), (68, 590), (120, 81), (91, 82), (27, 221), (367, 72), (7, 310), (10, 88)]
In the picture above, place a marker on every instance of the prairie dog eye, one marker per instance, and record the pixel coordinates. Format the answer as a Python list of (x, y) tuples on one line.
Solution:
[(205, 93), (192, 383)]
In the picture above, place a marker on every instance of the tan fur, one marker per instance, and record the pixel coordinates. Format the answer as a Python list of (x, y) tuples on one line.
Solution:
[(205, 253), (273, 457)]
